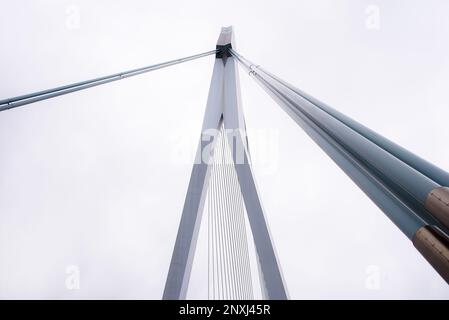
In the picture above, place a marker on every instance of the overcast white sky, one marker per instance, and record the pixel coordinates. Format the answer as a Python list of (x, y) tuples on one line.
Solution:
[(89, 179)]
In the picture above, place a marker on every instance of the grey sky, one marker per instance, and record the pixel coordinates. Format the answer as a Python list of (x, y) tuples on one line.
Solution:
[(89, 179)]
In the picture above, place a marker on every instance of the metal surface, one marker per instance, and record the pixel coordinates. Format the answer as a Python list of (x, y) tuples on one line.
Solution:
[(428, 169), (400, 214), (432, 214), (437, 203), (224, 105), (402, 175), (224, 43), (430, 241), (434, 246), (403, 179), (51, 93), (272, 280), (184, 249), (408, 184)]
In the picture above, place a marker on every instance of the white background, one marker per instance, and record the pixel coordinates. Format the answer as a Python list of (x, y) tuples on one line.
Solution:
[(89, 179)]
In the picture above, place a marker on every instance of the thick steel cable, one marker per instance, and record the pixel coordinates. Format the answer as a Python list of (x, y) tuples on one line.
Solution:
[(22, 100), (428, 169), (208, 245), (393, 207), (411, 160)]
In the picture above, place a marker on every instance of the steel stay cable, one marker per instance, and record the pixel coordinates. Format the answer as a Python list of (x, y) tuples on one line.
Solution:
[(220, 217), (346, 159), (223, 218), (18, 101), (234, 229), (229, 216), (244, 241), (230, 228), (238, 232)]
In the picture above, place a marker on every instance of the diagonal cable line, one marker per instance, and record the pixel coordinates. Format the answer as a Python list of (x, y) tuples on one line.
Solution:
[(229, 274), (22, 100), (401, 184)]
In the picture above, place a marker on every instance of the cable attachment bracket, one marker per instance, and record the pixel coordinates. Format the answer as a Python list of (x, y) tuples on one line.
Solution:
[(224, 44)]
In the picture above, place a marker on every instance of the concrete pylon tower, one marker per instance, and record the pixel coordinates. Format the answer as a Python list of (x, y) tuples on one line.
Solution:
[(223, 109)]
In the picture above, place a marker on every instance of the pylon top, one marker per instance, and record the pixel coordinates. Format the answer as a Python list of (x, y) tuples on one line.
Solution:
[(224, 43)]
